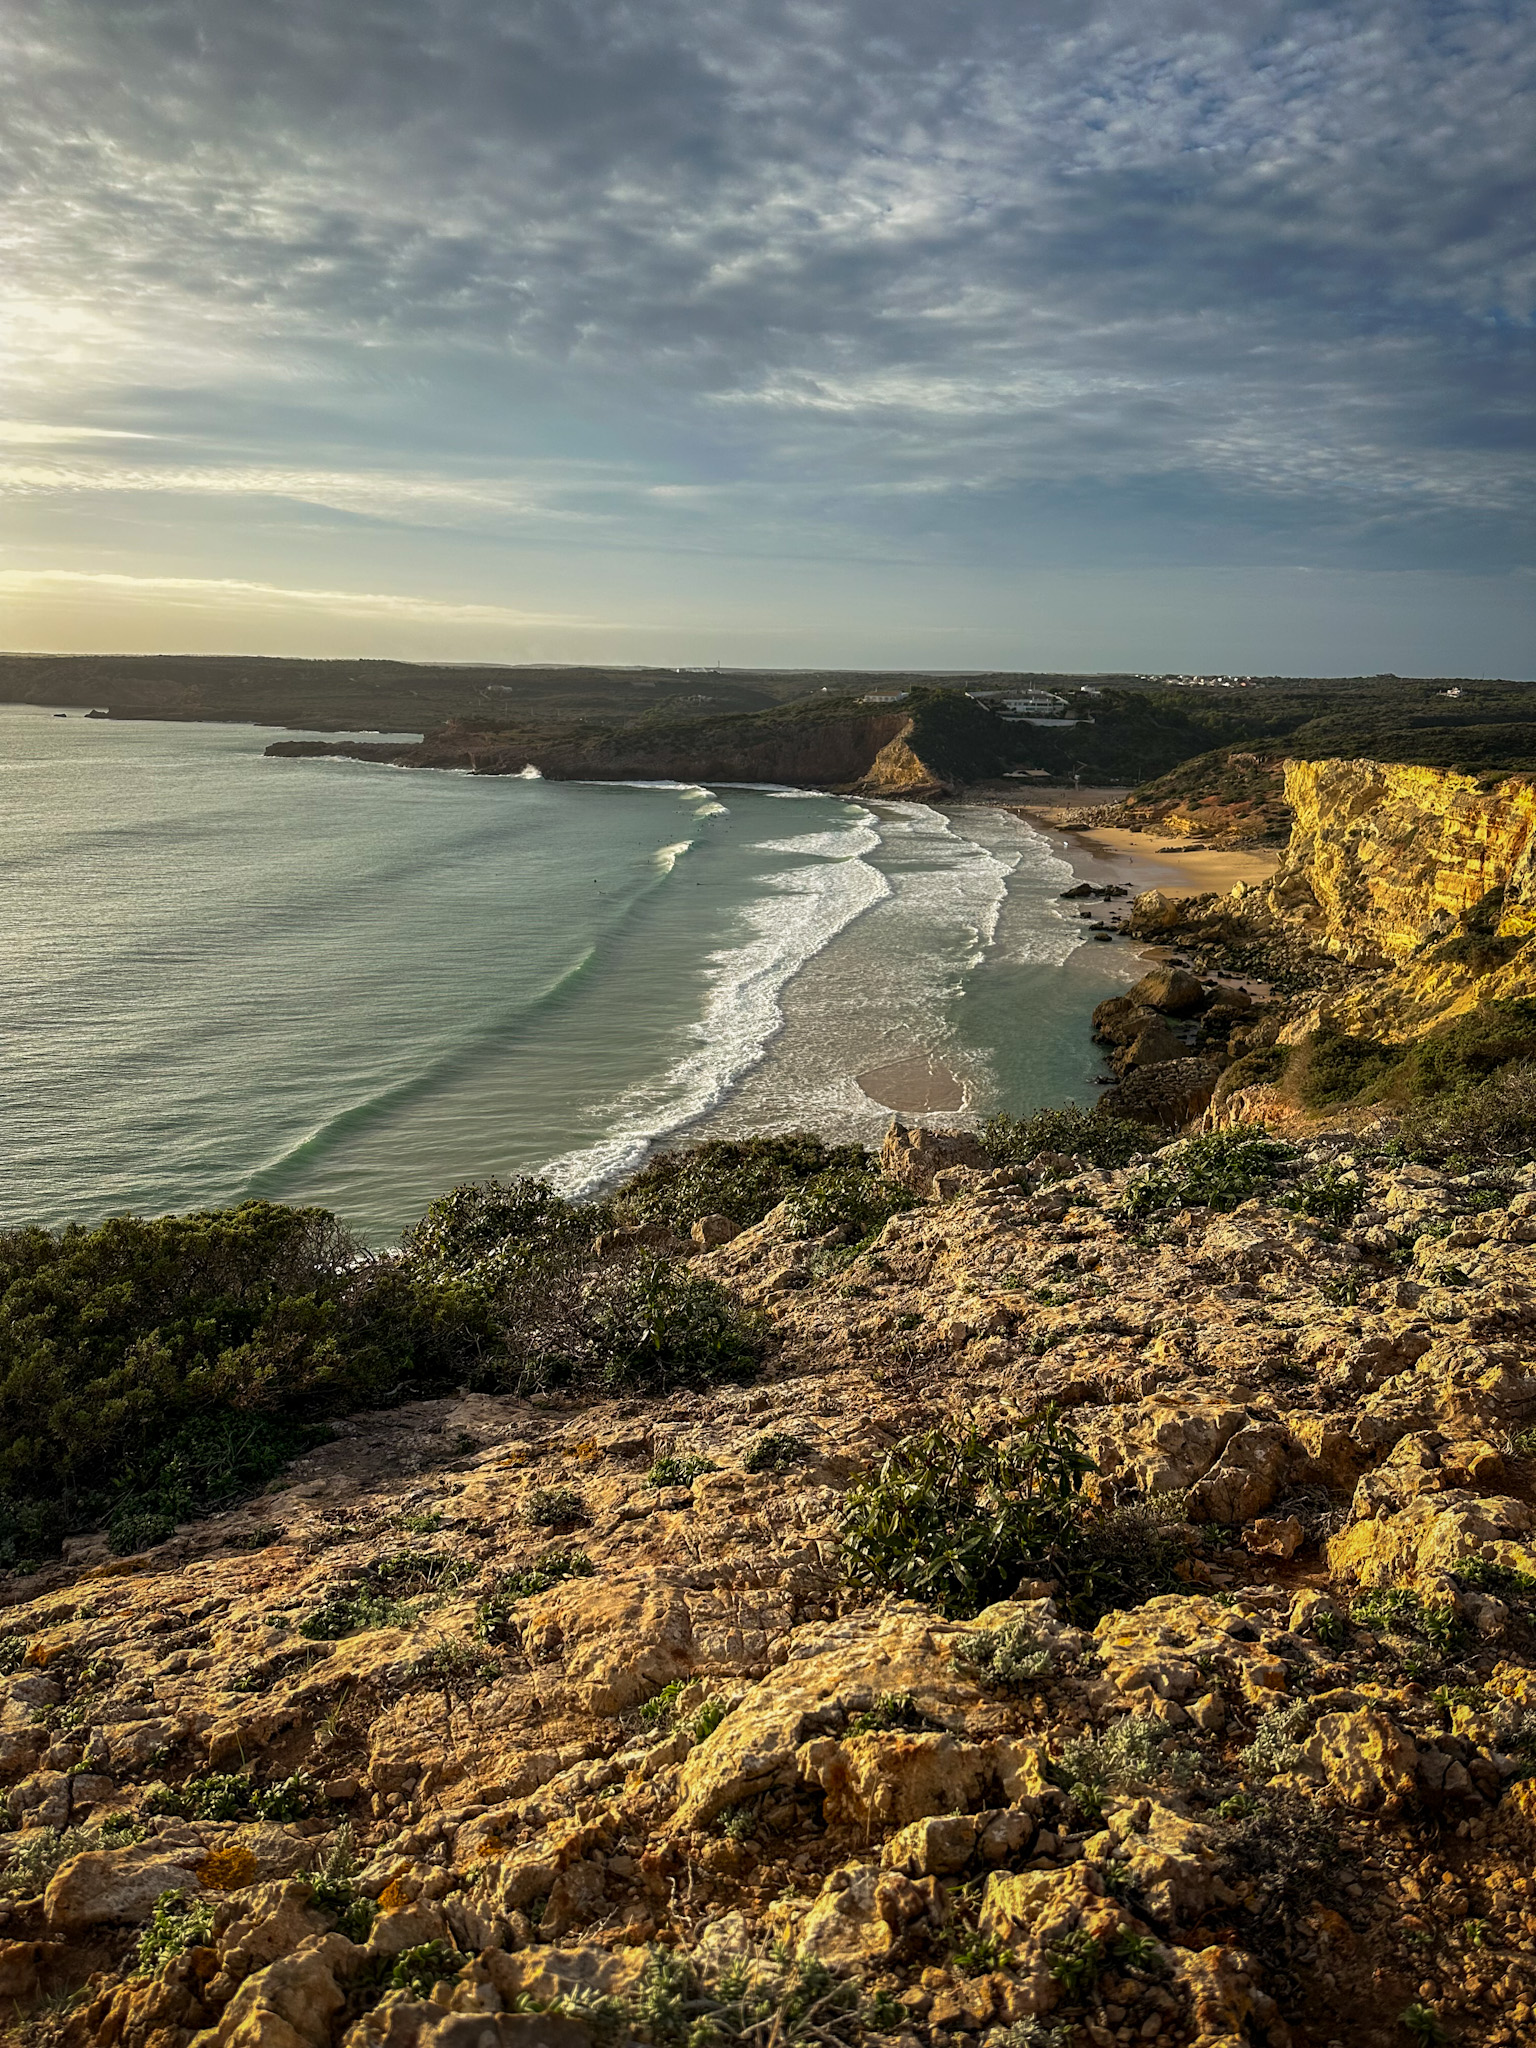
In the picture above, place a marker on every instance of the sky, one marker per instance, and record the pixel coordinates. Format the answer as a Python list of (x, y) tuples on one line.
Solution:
[(1126, 334)]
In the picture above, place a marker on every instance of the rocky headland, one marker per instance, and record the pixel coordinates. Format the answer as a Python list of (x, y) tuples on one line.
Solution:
[(724, 1713)]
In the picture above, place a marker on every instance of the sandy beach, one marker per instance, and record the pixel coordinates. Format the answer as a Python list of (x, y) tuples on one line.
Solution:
[(1140, 860), (917, 1086)]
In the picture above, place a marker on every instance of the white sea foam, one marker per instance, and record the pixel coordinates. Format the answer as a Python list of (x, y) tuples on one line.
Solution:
[(667, 857), (712, 811), (802, 912), (530, 774)]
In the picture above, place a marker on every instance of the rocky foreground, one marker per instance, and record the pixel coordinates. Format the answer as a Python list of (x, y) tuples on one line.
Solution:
[(543, 1721)]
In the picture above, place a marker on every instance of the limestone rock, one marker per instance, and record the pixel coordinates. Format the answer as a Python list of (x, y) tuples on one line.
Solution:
[(911, 1155), (710, 1231), (1365, 1759), (1173, 991), (116, 1887)]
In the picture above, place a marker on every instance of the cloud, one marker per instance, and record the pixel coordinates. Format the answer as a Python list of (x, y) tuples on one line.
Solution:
[(220, 594), (860, 275)]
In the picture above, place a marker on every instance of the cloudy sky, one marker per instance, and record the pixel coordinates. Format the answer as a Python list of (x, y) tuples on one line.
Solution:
[(1126, 333)]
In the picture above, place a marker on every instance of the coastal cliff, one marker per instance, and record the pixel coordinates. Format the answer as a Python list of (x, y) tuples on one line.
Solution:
[(920, 751), (1422, 877)]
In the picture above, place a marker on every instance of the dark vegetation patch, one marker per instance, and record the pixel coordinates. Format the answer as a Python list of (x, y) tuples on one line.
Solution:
[(1096, 1137), (150, 1370), (742, 1178), (957, 1522), (1216, 1171)]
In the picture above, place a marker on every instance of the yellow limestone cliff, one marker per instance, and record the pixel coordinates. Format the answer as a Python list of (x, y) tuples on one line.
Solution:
[(1385, 860)]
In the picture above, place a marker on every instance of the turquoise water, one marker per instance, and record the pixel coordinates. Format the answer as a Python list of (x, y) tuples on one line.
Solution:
[(335, 982)]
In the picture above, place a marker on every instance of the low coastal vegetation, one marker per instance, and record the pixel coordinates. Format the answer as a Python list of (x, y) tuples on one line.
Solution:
[(153, 1369)]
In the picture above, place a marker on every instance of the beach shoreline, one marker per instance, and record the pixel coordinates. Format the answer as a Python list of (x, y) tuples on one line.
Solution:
[(920, 1085), (1103, 854)]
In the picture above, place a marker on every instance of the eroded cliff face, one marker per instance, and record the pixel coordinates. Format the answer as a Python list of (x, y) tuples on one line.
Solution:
[(872, 754), (1383, 864)]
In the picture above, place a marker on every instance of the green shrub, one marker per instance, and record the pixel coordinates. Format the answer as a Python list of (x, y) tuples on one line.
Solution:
[(1118, 1556), (658, 1327), (548, 1507), (1103, 1140), (1216, 1171), (155, 1369), (855, 1199), (215, 1795), (955, 1521), (1486, 1125), (1330, 1068), (776, 1450), (1011, 1658), (742, 1178), (174, 1926), (679, 1471), (484, 1231), (1076, 1962), (1329, 1193)]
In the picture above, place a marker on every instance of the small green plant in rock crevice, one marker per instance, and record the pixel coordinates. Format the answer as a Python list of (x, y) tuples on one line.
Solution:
[(1276, 1744), (680, 1470), (1397, 1612), (493, 1615), (890, 1712), (1422, 2023), (418, 1969), (1008, 1659), (974, 1954), (1126, 1757), (553, 1507), (175, 1924), (216, 1795), (333, 1889), (1076, 1962), (355, 1612), (775, 1451)]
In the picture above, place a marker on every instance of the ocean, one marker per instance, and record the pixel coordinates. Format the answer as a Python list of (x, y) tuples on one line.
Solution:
[(341, 983)]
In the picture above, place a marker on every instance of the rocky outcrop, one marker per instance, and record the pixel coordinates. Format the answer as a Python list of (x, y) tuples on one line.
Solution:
[(871, 752), (519, 1807), (1387, 864)]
